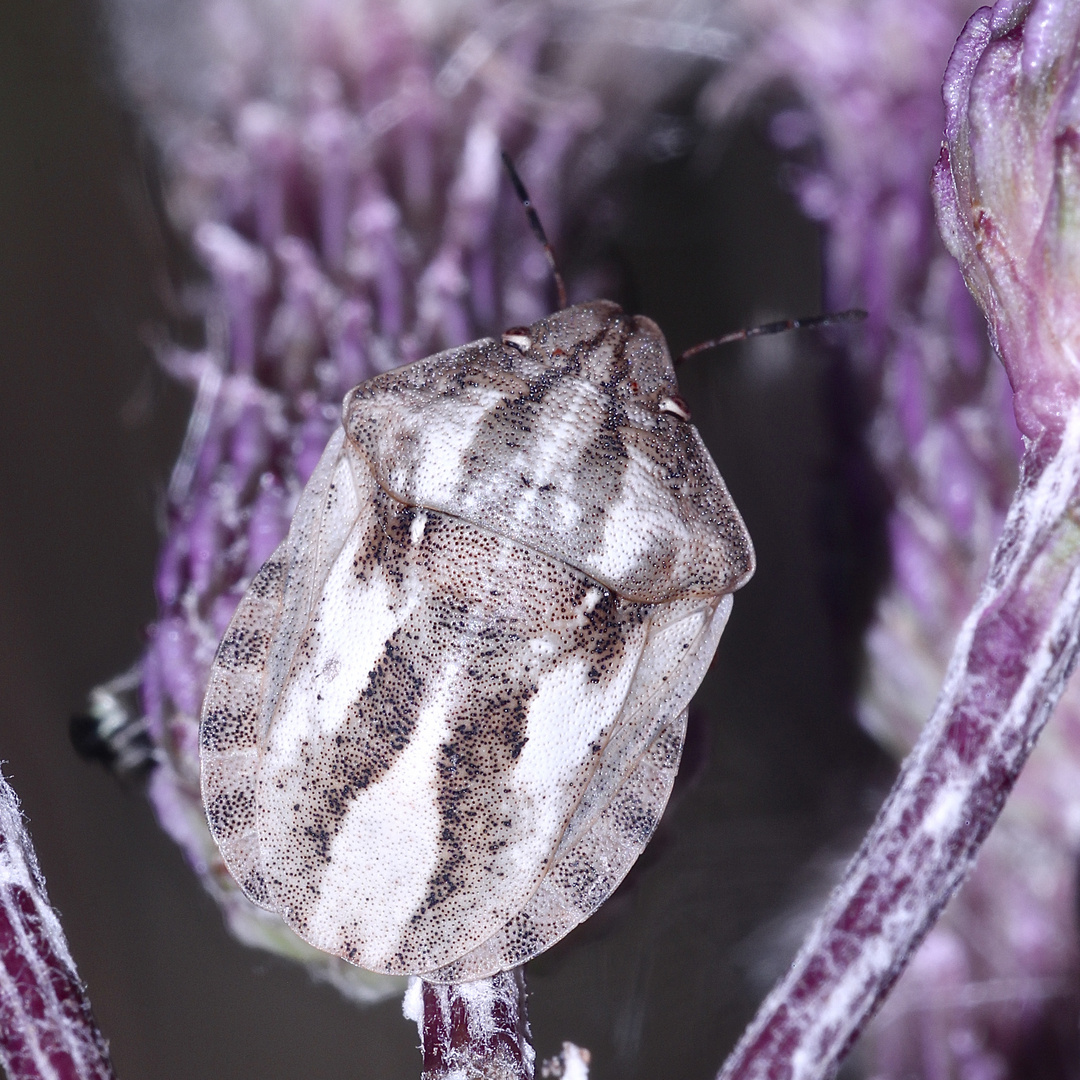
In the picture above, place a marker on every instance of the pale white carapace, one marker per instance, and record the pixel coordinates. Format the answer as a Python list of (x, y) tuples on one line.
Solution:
[(446, 717)]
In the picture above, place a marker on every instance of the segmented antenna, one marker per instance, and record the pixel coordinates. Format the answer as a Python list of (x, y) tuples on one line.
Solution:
[(832, 319), (537, 228)]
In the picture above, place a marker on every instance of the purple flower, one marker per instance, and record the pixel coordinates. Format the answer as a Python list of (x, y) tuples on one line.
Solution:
[(1006, 954), (336, 169)]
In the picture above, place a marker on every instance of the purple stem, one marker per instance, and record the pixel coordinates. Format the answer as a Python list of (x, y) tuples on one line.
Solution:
[(47, 1031), (1009, 666), (473, 1031)]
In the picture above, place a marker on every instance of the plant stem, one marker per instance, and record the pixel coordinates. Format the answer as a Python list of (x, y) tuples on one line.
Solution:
[(47, 1031), (473, 1031), (1013, 656)]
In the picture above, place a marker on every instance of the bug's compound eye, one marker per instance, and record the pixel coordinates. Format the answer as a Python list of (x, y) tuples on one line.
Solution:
[(560, 351), (518, 338), (676, 406)]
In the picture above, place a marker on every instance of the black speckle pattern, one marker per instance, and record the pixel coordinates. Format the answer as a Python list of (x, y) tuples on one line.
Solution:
[(231, 811), (243, 648), (228, 725)]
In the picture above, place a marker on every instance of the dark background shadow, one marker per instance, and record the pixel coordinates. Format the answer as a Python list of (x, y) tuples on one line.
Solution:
[(779, 781)]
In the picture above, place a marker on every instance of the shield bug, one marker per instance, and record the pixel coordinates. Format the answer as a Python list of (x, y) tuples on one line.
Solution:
[(446, 717)]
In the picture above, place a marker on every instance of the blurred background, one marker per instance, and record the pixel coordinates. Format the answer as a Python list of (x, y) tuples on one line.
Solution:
[(778, 781)]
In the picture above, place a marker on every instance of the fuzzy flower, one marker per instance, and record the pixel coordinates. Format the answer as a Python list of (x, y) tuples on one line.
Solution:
[(343, 196), (336, 170), (992, 977), (995, 982)]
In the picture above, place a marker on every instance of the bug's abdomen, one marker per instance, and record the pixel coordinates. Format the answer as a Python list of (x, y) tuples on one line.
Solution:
[(446, 707)]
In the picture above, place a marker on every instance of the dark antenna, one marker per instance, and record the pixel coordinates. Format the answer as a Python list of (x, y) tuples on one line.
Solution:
[(537, 228), (832, 319)]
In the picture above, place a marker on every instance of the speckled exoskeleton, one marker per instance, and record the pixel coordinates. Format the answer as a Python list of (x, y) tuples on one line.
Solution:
[(447, 715)]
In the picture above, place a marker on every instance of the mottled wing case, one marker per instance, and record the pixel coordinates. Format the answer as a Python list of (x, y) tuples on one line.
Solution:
[(254, 659), (447, 714)]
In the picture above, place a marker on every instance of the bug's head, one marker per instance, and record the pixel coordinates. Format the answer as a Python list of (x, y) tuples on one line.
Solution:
[(624, 356)]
